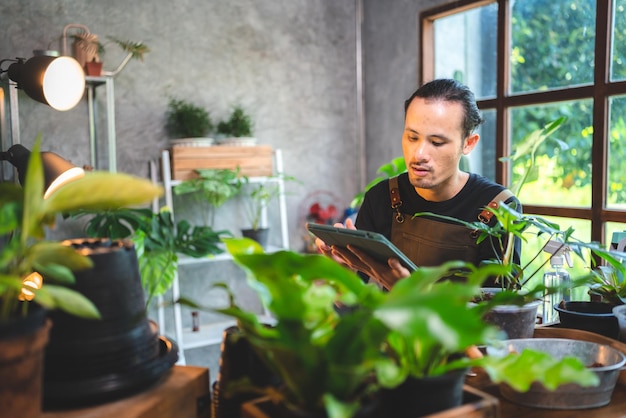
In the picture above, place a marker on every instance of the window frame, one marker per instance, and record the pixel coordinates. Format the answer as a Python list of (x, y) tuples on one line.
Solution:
[(600, 92)]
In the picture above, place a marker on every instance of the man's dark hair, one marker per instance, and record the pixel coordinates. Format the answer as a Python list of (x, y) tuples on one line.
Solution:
[(452, 91)]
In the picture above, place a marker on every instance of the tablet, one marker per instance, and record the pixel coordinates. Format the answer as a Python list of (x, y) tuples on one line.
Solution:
[(374, 244)]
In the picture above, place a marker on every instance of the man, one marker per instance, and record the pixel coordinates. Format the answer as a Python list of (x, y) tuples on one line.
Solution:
[(440, 119)]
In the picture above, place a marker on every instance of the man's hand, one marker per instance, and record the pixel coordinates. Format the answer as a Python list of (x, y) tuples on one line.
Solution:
[(384, 275)]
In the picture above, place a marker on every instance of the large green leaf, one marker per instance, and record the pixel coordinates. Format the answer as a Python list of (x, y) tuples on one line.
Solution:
[(520, 370), (101, 190), (59, 297)]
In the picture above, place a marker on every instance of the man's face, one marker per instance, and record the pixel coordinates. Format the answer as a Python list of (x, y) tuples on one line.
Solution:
[(432, 144)]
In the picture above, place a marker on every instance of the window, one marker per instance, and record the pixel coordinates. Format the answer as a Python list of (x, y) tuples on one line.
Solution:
[(530, 62)]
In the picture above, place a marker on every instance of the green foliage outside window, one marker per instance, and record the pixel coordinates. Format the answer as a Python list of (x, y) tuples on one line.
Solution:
[(553, 47)]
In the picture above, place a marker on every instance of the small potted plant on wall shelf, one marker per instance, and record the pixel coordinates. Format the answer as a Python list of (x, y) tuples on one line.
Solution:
[(237, 129), (256, 202), (89, 50), (188, 123)]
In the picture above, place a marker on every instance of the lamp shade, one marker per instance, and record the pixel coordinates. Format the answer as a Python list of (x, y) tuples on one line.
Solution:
[(56, 81), (57, 171)]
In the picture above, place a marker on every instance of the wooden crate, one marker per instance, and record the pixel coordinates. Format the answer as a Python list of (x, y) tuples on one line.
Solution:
[(253, 161), (476, 404)]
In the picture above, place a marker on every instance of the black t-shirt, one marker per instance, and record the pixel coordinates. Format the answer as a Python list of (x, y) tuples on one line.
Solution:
[(376, 213)]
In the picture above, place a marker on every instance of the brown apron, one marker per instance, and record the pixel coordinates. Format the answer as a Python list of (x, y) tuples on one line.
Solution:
[(429, 242)]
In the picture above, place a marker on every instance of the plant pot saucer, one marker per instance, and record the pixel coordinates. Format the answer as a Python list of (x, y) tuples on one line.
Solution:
[(107, 388)]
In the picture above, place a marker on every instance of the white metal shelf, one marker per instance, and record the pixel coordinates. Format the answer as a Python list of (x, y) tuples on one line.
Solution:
[(211, 333)]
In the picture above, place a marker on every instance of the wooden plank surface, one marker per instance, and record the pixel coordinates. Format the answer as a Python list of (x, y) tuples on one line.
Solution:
[(176, 395)]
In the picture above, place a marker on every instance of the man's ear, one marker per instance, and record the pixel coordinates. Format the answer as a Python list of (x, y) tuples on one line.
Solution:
[(470, 143)]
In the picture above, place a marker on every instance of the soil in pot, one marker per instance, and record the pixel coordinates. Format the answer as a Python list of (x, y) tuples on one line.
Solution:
[(595, 317)]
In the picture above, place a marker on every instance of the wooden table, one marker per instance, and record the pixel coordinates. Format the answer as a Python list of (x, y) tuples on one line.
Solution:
[(508, 409), (183, 393)]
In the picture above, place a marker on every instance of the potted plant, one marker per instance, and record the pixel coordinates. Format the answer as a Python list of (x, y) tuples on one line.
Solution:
[(257, 198), (89, 50), (212, 187), (158, 241), (333, 364), (607, 289), (237, 129), (30, 266), (186, 120)]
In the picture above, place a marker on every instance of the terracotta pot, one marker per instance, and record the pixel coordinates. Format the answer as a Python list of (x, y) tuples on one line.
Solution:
[(93, 69), (21, 366)]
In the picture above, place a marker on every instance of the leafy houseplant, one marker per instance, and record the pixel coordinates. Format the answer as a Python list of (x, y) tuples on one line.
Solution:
[(212, 187), (158, 241), (260, 196), (91, 50), (30, 266), (187, 120), (238, 124), (25, 214), (334, 362)]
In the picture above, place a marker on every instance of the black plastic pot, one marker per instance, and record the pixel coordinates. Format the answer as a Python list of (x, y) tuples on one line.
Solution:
[(95, 361), (595, 317), (417, 397)]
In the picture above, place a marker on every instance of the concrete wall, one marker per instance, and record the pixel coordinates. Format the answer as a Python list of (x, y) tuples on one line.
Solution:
[(291, 63), (391, 54)]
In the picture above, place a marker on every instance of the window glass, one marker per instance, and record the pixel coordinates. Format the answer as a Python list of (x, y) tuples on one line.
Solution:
[(562, 173), (465, 49), (552, 44), (538, 265), (618, 43), (616, 189), (610, 228)]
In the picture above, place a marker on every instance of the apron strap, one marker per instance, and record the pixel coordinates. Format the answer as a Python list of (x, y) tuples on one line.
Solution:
[(396, 202), (485, 216)]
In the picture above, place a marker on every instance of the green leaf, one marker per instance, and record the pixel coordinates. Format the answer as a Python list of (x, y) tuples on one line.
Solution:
[(70, 301), (520, 370), (101, 190)]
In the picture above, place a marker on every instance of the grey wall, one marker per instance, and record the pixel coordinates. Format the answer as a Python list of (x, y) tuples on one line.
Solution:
[(291, 63), (391, 54)]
